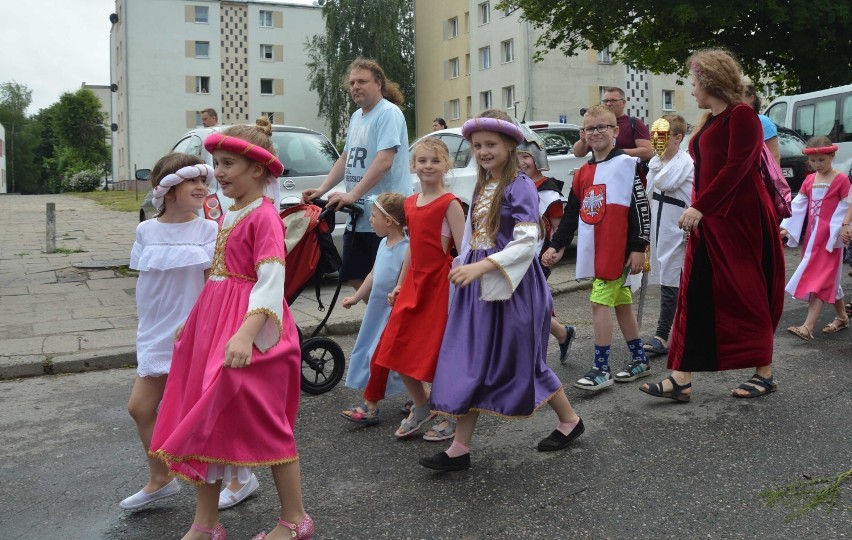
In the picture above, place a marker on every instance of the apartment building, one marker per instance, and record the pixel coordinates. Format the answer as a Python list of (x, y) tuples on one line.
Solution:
[(170, 59), (472, 56)]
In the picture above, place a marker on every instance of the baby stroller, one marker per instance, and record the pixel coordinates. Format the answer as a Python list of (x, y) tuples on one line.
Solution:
[(310, 255)]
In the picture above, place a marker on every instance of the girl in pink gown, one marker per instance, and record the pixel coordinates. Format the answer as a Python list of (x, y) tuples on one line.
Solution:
[(823, 200), (233, 393)]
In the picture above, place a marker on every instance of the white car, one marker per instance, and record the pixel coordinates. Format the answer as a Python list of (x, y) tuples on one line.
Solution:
[(558, 140), (307, 156)]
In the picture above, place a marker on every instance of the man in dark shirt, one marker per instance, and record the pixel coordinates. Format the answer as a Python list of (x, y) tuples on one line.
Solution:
[(633, 135)]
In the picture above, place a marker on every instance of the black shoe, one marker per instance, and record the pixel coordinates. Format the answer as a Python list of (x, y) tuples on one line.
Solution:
[(565, 348), (557, 440), (442, 462)]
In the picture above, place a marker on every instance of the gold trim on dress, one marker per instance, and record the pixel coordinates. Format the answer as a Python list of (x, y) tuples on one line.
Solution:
[(503, 270), (217, 267), (272, 315), (169, 459), (279, 260)]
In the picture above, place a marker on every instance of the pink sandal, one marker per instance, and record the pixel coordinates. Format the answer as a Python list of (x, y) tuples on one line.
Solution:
[(215, 534), (303, 531)]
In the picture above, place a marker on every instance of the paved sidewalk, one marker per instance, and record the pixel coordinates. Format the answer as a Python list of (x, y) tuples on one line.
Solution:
[(75, 310)]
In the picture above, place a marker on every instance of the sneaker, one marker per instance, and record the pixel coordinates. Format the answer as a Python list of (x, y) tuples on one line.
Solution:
[(595, 380), (636, 369), (565, 348), (228, 498), (140, 499)]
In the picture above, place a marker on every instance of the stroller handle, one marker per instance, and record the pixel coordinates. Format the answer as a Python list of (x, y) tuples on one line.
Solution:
[(350, 209)]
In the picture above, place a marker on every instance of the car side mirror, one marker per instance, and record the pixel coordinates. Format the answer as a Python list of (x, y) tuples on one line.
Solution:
[(143, 174)]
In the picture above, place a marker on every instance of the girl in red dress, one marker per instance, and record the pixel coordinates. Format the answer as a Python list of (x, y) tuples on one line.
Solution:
[(412, 338), (233, 393)]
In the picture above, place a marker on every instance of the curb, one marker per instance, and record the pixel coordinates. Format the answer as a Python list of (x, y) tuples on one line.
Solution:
[(124, 357)]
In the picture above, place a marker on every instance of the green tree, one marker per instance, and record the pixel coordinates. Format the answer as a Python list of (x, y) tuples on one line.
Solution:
[(802, 45), (78, 126), (45, 151), (379, 29), (23, 177)]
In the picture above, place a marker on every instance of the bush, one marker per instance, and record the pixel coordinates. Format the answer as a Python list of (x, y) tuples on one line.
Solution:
[(85, 180)]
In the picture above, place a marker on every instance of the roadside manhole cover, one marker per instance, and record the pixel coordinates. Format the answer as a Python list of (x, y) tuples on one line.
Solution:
[(113, 263)]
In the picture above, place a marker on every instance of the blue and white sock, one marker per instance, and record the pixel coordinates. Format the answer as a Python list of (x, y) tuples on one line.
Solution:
[(637, 350), (602, 357)]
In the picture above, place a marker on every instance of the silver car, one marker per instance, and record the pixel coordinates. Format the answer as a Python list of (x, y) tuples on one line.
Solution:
[(307, 156), (461, 179)]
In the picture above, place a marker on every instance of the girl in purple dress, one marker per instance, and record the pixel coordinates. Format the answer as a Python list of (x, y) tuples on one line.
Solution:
[(494, 350)]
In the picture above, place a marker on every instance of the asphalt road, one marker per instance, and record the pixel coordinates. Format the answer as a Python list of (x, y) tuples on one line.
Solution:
[(645, 468)]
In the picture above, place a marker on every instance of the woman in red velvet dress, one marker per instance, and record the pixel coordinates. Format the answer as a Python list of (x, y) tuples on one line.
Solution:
[(732, 285)]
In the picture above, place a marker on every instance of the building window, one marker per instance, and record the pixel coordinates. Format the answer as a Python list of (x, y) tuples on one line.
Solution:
[(455, 109), (270, 116), (509, 97), (485, 100), (467, 64), (202, 85), (202, 49), (266, 52), (202, 14), (198, 118), (265, 19), (668, 100), (485, 57), (467, 22), (485, 13), (266, 87), (507, 11), (507, 50), (453, 27), (454, 68), (604, 56)]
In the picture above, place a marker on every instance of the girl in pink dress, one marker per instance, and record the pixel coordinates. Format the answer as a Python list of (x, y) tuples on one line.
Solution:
[(233, 392), (823, 200), (172, 253)]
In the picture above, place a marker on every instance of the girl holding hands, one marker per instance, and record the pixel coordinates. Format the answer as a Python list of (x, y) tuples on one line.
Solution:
[(172, 253), (412, 337), (494, 350), (233, 395), (387, 217)]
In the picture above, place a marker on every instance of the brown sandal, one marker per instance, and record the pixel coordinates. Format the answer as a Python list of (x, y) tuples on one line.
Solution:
[(836, 325), (802, 332)]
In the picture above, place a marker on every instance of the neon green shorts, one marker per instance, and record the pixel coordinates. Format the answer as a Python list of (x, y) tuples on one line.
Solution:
[(611, 293)]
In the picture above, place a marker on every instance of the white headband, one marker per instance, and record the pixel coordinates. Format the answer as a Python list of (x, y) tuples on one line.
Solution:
[(192, 171), (385, 212)]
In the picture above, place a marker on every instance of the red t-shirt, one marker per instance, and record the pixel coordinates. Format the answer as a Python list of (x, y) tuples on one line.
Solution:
[(626, 137)]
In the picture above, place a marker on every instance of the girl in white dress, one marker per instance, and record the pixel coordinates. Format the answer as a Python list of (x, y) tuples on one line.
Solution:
[(173, 254)]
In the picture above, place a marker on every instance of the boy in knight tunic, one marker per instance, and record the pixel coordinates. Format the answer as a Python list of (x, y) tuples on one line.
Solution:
[(608, 209)]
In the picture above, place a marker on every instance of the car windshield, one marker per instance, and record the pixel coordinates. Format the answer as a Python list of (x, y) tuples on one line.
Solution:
[(558, 140), (304, 154), (790, 144)]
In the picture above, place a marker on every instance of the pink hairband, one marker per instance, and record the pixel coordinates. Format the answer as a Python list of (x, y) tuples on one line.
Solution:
[(824, 150), (492, 124), (186, 173), (217, 141)]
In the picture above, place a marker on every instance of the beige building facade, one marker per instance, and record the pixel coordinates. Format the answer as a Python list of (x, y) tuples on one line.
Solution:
[(170, 59), (472, 56)]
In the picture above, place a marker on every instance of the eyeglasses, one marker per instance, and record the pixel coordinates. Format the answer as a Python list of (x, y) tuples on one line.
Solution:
[(595, 129), (611, 101)]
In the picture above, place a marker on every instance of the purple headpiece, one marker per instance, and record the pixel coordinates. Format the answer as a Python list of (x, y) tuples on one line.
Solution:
[(492, 124)]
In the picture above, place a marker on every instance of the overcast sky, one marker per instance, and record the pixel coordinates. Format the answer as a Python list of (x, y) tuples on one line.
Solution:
[(54, 46)]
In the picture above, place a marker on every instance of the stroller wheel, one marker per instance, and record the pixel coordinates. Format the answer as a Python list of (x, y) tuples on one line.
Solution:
[(323, 362)]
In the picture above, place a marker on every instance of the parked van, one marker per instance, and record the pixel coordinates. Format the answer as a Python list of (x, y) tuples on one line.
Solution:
[(824, 112)]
